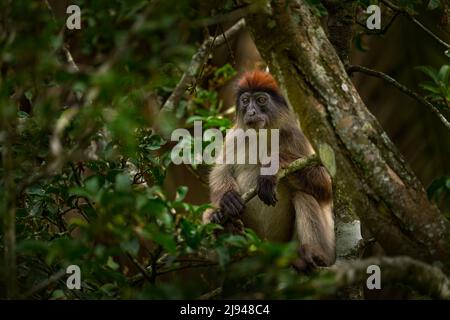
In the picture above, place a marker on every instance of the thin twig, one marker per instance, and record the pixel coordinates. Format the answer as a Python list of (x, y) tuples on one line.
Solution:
[(44, 284), (197, 175), (198, 60), (417, 22), (189, 266), (140, 267), (229, 16), (228, 46), (395, 83), (212, 294), (52, 167)]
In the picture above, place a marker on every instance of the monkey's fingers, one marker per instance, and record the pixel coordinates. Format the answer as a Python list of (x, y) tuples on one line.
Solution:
[(217, 217), (232, 204), (266, 189), (267, 196), (274, 198)]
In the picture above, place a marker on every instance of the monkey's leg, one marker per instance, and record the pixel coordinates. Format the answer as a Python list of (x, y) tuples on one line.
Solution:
[(314, 229)]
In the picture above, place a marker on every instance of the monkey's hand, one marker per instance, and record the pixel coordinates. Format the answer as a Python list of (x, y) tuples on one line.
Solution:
[(232, 225), (266, 189), (232, 204)]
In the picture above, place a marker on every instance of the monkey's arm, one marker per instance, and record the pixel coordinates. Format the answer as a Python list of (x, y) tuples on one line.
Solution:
[(221, 181), (314, 181)]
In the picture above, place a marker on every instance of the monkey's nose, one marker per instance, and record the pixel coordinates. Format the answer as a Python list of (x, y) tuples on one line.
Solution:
[(251, 112)]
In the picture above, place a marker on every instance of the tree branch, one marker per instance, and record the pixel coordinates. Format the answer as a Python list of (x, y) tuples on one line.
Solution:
[(296, 165), (395, 83), (44, 284), (141, 269), (198, 60), (426, 279), (383, 30)]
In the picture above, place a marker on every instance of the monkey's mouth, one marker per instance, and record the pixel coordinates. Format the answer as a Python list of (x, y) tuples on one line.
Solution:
[(255, 123)]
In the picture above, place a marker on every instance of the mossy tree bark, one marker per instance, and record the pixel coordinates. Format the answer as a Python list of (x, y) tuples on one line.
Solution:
[(372, 180)]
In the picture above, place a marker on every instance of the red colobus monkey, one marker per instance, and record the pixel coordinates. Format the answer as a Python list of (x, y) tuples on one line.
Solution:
[(297, 207)]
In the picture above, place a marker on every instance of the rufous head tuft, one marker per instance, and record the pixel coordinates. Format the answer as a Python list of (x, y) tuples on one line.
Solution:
[(258, 80)]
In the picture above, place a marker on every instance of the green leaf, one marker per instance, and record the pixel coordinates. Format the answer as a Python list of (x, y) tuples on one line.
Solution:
[(440, 186), (123, 182), (213, 122), (194, 118), (444, 73), (429, 86), (236, 241), (131, 246), (162, 238), (224, 256), (58, 294), (91, 185), (112, 264), (181, 193), (22, 115), (190, 233), (429, 71), (155, 142), (434, 4), (359, 44)]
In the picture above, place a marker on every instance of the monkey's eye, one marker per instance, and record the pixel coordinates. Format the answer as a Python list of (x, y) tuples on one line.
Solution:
[(261, 100), (245, 101)]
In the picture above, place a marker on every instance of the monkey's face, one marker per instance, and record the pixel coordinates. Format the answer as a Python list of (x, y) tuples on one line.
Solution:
[(255, 109)]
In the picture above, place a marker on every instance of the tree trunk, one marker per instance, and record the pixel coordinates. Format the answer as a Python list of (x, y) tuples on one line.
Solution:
[(372, 181)]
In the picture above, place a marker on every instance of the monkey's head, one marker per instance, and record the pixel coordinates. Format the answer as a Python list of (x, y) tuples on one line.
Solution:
[(259, 101)]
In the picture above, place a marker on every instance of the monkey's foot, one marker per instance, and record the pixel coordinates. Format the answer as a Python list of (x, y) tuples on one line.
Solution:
[(234, 226), (309, 259), (231, 225)]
